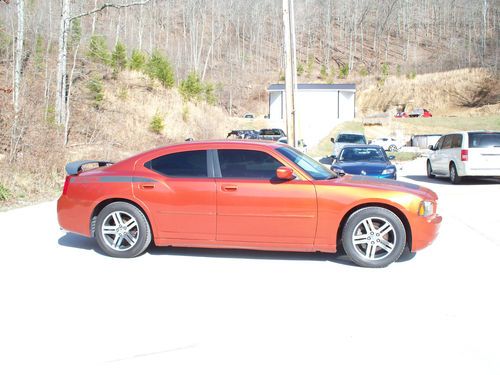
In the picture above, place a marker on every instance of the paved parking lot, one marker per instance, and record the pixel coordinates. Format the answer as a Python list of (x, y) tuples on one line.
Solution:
[(67, 309)]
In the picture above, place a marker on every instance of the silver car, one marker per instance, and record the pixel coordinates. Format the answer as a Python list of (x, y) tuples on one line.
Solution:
[(344, 139)]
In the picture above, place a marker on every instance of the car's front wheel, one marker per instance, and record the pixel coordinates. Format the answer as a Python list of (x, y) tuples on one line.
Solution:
[(122, 230), (429, 170), (393, 148), (374, 237)]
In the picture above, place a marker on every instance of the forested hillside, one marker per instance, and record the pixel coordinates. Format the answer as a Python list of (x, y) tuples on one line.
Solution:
[(70, 70)]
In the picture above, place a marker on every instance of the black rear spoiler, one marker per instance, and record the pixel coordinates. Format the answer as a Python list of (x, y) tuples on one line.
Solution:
[(75, 167)]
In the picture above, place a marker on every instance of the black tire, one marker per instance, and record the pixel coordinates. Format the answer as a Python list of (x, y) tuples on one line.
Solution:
[(140, 230), (429, 170), (393, 148), (454, 177), (378, 216)]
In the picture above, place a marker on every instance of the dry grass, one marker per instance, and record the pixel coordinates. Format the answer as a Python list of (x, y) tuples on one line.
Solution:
[(445, 93), (118, 129)]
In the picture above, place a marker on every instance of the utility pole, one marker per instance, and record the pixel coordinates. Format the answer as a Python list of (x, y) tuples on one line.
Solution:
[(290, 72)]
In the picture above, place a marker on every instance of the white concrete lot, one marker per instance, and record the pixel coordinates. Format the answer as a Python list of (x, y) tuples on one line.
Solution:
[(66, 309)]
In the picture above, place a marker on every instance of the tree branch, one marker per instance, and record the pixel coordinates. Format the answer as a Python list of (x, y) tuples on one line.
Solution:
[(108, 5)]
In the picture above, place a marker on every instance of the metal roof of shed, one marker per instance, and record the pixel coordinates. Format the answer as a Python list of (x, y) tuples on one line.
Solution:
[(314, 86)]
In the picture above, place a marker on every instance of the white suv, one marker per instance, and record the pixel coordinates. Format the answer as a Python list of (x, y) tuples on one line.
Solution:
[(461, 154)]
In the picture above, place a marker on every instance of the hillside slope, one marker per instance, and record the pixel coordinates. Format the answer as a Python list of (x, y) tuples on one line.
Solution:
[(465, 91)]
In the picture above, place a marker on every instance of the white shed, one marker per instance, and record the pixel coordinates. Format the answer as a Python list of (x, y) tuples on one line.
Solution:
[(319, 107)]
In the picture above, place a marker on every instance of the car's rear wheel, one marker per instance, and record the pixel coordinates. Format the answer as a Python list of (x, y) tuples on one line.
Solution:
[(122, 230), (429, 170), (393, 148), (374, 237), (454, 177)]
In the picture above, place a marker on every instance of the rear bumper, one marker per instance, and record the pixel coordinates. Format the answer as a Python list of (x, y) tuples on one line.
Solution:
[(70, 214), (425, 231), (479, 172)]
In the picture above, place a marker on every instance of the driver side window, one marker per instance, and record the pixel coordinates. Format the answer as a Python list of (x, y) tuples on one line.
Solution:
[(247, 164)]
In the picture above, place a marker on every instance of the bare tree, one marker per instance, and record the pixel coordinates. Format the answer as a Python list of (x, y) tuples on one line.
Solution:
[(16, 131), (66, 19)]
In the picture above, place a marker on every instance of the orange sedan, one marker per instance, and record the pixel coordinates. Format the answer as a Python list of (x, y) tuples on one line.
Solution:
[(244, 195)]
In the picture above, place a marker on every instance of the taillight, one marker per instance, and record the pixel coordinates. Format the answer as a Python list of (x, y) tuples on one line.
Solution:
[(464, 154), (66, 184)]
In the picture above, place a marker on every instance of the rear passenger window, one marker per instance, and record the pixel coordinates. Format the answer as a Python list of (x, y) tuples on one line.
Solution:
[(447, 142), (247, 164), (181, 164), (456, 141)]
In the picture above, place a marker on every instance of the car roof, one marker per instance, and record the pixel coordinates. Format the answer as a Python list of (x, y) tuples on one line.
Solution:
[(361, 146)]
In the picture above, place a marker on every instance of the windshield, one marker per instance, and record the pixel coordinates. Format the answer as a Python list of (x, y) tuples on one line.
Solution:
[(477, 140), (316, 170), (351, 138), (350, 154)]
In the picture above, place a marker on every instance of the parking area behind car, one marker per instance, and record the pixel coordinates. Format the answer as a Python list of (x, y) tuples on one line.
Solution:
[(68, 309)]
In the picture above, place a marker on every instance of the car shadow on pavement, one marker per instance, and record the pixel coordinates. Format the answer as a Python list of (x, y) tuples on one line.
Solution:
[(446, 181), (76, 241), (250, 254), (79, 242)]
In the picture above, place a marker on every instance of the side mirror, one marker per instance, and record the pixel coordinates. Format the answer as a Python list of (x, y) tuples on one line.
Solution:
[(332, 140), (285, 173), (431, 147), (392, 157)]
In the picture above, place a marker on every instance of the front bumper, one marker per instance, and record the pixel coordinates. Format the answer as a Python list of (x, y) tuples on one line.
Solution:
[(425, 231)]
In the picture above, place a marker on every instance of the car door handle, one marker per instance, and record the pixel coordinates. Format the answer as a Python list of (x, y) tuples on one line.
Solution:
[(229, 187), (147, 186)]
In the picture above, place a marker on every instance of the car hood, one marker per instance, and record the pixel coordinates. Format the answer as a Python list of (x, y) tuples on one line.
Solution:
[(372, 168), (383, 184)]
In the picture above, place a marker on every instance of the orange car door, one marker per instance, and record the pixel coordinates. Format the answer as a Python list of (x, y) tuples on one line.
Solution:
[(254, 206), (181, 196)]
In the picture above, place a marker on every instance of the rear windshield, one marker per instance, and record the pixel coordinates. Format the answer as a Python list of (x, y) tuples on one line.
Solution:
[(351, 138), (477, 140), (270, 132)]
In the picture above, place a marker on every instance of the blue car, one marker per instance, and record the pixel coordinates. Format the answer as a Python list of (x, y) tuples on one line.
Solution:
[(365, 160)]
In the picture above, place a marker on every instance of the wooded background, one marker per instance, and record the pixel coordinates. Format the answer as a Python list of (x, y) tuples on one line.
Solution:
[(54, 52)]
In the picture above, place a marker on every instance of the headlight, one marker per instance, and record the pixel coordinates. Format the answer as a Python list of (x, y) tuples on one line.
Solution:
[(426, 208), (389, 171), (337, 170)]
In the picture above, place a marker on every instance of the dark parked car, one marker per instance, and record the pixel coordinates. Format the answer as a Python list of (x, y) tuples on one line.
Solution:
[(243, 134), (363, 160), (271, 134)]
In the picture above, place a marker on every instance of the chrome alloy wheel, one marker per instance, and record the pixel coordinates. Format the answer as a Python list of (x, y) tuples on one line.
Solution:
[(374, 238), (120, 231)]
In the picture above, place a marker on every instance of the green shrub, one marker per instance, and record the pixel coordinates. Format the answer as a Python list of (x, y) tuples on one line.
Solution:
[(98, 50), (39, 53), (137, 60), (191, 88), (363, 72), (411, 75), (158, 67), (310, 66), (281, 76), (210, 96), (323, 73), (119, 57), (75, 33), (300, 69), (344, 71), (157, 125), (96, 89), (5, 193)]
